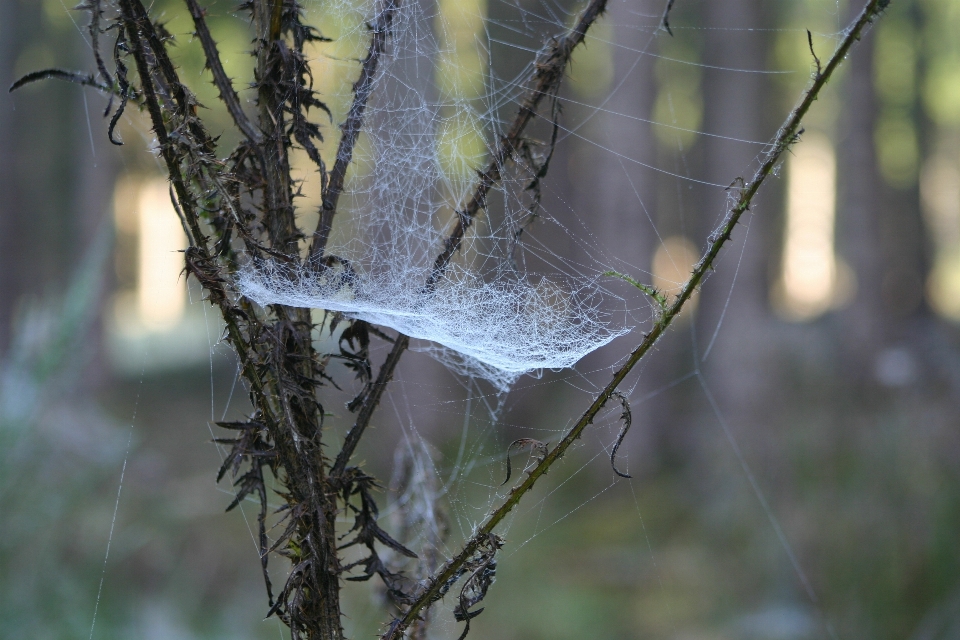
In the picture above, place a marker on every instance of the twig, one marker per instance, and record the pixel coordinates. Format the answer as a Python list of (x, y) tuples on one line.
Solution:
[(535, 445), (539, 170), (786, 136), (813, 53), (93, 28), (78, 77), (655, 294), (665, 20), (351, 127), (627, 416), (368, 406), (119, 47), (220, 78)]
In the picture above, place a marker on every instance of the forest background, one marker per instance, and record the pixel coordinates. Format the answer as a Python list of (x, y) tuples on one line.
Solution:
[(841, 389)]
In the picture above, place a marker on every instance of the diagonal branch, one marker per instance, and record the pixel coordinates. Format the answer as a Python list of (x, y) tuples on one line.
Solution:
[(198, 259), (549, 68), (788, 134), (93, 28), (136, 23), (369, 406), (220, 78), (351, 127)]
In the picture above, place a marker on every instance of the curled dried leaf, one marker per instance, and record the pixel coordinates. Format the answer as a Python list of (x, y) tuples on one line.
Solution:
[(535, 445)]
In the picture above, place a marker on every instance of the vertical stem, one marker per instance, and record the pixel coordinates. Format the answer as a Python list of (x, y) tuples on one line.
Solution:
[(312, 609), (278, 215)]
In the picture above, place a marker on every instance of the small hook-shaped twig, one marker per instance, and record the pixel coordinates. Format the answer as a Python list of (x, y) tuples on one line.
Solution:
[(627, 418), (814, 53), (520, 444), (657, 295), (665, 20)]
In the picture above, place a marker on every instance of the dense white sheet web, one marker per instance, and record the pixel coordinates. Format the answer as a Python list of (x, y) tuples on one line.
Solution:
[(486, 315), (510, 325)]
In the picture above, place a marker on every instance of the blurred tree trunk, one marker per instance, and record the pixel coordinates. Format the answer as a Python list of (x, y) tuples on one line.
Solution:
[(10, 121), (858, 224), (56, 170), (881, 227), (615, 197), (737, 104), (612, 178)]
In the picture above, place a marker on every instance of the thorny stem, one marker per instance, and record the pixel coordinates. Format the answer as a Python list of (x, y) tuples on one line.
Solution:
[(351, 127), (277, 359), (787, 135), (184, 199), (135, 23), (220, 78), (369, 406), (198, 258), (279, 209)]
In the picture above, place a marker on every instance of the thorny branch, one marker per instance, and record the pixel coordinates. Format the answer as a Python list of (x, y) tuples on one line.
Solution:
[(788, 134), (274, 346), (351, 127), (369, 405), (227, 93), (277, 359)]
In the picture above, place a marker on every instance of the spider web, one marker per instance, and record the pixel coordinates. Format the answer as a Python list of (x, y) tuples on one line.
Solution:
[(492, 313), (527, 292)]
